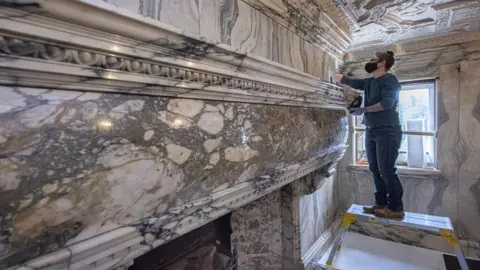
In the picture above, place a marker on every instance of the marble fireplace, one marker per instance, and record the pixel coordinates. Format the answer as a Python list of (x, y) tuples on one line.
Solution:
[(121, 135)]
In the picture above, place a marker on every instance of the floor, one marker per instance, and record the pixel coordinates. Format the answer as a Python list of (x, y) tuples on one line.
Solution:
[(361, 252)]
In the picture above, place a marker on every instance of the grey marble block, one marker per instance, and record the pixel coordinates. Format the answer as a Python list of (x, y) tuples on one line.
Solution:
[(257, 233)]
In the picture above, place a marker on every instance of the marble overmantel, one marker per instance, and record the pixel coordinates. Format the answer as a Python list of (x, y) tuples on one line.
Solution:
[(120, 133)]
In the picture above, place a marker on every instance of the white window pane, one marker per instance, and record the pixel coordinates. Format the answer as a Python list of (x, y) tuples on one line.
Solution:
[(415, 104), (361, 155), (429, 147), (358, 121)]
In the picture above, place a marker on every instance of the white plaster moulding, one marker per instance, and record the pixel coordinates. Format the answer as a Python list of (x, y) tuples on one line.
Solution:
[(117, 35), (119, 246)]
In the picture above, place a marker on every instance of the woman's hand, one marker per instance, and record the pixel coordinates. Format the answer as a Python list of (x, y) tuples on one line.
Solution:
[(338, 77)]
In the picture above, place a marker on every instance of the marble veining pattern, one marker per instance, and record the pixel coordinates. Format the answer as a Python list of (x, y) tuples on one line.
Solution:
[(257, 233), (180, 13), (236, 23), (318, 211), (93, 64), (308, 20), (251, 31), (290, 196), (75, 164), (469, 130)]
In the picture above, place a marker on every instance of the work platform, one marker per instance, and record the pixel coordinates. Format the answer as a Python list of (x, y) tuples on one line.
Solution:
[(440, 225)]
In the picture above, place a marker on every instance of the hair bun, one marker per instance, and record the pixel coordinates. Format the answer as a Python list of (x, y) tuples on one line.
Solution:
[(391, 53)]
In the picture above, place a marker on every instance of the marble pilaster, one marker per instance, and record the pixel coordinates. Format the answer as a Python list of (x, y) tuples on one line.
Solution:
[(468, 149), (257, 234), (318, 210), (309, 209)]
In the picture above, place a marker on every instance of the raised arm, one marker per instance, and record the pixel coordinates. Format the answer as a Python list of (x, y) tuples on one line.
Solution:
[(358, 84)]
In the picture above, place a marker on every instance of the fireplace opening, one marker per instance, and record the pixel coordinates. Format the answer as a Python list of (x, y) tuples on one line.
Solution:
[(208, 247)]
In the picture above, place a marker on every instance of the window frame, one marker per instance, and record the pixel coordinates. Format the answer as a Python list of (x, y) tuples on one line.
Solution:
[(433, 114)]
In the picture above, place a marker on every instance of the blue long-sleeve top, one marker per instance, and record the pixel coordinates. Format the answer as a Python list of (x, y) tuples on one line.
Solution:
[(384, 90)]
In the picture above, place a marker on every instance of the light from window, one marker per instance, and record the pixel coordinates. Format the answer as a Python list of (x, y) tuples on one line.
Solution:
[(416, 104)]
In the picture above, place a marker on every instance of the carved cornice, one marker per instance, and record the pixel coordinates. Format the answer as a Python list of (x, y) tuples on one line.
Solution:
[(179, 66), (121, 245)]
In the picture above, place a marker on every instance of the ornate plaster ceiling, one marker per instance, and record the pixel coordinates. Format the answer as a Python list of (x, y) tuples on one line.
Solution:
[(383, 22)]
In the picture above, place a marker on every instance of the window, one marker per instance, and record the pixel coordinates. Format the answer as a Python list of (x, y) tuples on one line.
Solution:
[(417, 109)]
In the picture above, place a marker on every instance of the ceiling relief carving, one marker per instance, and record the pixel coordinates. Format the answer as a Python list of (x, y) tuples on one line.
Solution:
[(383, 22)]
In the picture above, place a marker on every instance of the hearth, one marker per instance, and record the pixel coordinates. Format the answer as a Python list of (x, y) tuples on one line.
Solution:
[(208, 247)]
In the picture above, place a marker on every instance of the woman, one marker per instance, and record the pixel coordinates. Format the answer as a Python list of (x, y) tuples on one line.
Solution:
[(383, 134)]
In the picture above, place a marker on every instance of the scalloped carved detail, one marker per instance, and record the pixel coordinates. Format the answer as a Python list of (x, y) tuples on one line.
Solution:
[(324, 94)]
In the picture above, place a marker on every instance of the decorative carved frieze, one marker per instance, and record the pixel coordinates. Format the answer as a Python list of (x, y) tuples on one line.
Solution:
[(172, 65)]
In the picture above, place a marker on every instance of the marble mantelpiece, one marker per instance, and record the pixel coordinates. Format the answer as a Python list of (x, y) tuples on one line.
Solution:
[(76, 164), (121, 133)]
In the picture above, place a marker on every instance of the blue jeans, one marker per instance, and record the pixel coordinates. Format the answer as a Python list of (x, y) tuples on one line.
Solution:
[(382, 145)]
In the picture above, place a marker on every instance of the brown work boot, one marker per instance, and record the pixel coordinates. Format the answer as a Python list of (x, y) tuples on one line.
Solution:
[(387, 213), (371, 209)]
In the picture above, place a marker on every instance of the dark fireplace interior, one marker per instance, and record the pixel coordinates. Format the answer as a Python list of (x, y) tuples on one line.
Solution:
[(208, 247)]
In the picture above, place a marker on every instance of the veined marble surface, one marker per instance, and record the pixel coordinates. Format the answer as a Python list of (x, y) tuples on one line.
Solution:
[(257, 233), (303, 223), (235, 23), (159, 60), (318, 211), (319, 22), (75, 164)]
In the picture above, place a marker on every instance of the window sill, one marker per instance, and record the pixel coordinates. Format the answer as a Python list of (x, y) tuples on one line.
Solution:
[(401, 170)]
